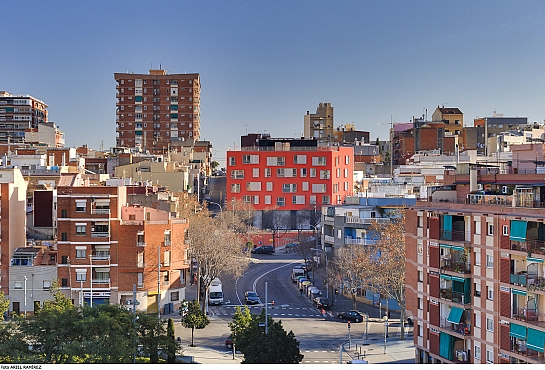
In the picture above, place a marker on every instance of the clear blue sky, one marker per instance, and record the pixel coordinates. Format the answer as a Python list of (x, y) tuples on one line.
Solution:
[(263, 64)]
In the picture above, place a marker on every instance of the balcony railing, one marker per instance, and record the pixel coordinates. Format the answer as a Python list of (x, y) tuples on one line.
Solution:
[(100, 257), (460, 357), (518, 279), (457, 297), (536, 283), (532, 246), (358, 241), (360, 220), (525, 314), (456, 266), (96, 234), (329, 239), (140, 244), (455, 235), (101, 280), (100, 211), (461, 328)]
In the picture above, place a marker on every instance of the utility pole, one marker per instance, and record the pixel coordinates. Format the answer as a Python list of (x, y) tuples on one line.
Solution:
[(159, 282), (266, 314)]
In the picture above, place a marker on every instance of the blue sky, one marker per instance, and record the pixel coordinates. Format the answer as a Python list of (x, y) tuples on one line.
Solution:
[(263, 64)]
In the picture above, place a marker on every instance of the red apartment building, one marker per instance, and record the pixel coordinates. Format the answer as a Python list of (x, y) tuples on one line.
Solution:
[(106, 247), (288, 174), (475, 270)]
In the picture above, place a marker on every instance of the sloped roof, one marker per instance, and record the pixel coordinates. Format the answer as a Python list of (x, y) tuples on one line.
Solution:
[(444, 110)]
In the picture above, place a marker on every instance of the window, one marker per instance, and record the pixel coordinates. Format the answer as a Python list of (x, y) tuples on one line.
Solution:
[(325, 199), (255, 172), (253, 186), (477, 352), (477, 287), (312, 199), (338, 172), (246, 199), (420, 247), (276, 161), (347, 159), (489, 261), (298, 199), (346, 172), (267, 199), (335, 188), (280, 201), (478, 227), (489, 357), (289, 188), (303, 172), (81, 229), (313, 172), (237, 174), (286, 172), (140, 279), (174, 296), (81, 205), (81, 252), (255, 199), (231, 161), (250, 159), (420, 221), (18, 285), (477, 258), (64, 282), (325, 174), (505, 229), (318, 188), (140, 259), (420, 276), (477, 320), (420, 304), (489, 324), (318, 161), (64, 213), (167, 239), (235, 188), (46, 284), (304, 186), (269, 186), (490, 228), (267, 172), (81, 275), (300, 159), (490, 294)]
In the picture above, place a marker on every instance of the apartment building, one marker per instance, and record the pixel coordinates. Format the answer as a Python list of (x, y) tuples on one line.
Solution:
[(19, 114), (289, 174), (320, 125), (475, 270), (107, 247), (12, 220), (157, 111)]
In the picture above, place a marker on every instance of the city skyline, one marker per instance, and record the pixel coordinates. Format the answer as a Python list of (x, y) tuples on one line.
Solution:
[(263, 65)]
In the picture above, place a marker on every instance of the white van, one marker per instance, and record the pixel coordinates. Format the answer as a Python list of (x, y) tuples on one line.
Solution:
[(295, 273), (215, 294)]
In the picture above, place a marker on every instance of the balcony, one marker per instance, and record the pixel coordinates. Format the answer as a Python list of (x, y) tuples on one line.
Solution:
[(140, 244), (453, 296), (455, 235), (536, 283), (459, 266), (329, 239), (460, 357), (519, 279), (100, 257), (358, 241), (100, 211), (99, 234), (101, 280), (461, 328), (528, 315)]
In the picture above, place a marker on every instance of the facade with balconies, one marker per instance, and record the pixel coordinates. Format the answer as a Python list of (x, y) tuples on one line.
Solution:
[(475, 274)]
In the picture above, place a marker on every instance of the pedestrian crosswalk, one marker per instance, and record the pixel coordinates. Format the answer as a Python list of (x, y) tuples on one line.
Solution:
[(229, 310)]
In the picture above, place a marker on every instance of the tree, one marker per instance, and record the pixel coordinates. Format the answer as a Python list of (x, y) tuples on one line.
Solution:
[(193, 318), (275, 347), (277, 222), (4, 305), (172, 346), (382, 265), (213, 243), (241, 321), (151, 335), (345, 269)]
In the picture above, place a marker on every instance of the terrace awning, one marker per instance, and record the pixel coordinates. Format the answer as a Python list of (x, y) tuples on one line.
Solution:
[(455, 315), (517, 331), (535, 340), (518, 230)]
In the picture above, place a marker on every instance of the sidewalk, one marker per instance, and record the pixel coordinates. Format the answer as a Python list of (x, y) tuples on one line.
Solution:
[(372, 350)]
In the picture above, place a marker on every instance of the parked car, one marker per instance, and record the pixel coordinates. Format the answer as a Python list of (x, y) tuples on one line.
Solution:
[(229, 342), (321, 302), (251, 298), (352, 316), (263, 249)]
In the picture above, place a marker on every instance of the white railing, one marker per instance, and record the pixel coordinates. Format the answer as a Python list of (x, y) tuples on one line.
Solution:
[(329, 239), (100, 211), (358, 241), (99, 234)]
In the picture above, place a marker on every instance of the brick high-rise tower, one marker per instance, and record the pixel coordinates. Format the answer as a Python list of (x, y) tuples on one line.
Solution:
[(157, 111)]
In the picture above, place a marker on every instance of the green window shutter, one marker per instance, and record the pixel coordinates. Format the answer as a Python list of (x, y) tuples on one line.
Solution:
[(536, 340), (138, 98), (455, 315), (517, 331)]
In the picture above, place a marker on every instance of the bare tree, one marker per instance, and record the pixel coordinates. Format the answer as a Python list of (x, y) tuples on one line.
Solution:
[(277, 222), (345, 269), (382, 265), (216, 248)]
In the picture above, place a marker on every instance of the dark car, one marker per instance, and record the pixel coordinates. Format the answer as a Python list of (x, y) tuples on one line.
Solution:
[(321, 302), (264, 249), (251, 298), (352, 316)]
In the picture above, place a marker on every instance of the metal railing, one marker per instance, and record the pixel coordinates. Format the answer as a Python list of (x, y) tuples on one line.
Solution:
[(455, 266), (100, 211), (461, 328), (101, 281), (454, 296), (518, 279), (95, 234), (358, 241), (140, 244), (526, 314), (455, 235)]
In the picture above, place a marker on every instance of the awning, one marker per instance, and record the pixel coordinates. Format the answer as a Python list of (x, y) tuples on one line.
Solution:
[(535, 340), (517, 331), (518, 230), (455, 315), (518, 292), (458, 279), (458, 248), (446, 343), (534, 260), (446, 277)]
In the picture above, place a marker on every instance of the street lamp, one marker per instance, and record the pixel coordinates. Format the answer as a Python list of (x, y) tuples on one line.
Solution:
[(385, 331), (25, 295)]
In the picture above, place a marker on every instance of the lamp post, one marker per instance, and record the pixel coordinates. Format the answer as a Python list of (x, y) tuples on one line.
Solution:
[(25, 295), (385, 331)]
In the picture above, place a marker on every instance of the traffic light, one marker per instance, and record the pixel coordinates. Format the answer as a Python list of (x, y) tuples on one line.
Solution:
[(336, 291)]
